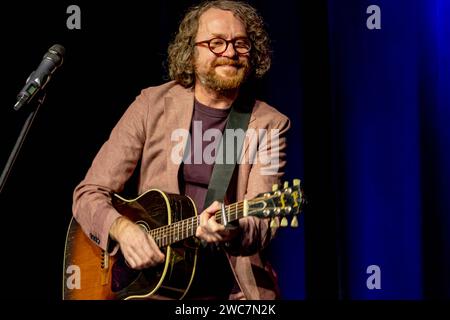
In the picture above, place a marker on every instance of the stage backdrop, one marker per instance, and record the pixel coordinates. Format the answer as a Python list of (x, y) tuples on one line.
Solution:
[(391, 116), (365, 83)]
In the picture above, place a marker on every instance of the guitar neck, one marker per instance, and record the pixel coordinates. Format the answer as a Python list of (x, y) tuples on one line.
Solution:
[(186, 228)]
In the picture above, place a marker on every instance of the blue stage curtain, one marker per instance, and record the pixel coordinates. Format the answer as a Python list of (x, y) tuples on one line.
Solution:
[(391, 111)]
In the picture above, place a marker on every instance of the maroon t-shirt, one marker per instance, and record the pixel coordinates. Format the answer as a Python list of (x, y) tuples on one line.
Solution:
[(214, 278), (198, 168)]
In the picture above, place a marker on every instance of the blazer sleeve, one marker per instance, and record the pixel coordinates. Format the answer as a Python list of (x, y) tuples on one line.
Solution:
[(269, 168), (111, 168)]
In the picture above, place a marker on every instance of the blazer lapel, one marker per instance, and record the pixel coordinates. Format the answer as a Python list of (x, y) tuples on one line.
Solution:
[(178, 109)]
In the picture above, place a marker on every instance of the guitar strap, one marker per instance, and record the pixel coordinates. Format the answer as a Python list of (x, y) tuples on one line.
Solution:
[(230, 149)]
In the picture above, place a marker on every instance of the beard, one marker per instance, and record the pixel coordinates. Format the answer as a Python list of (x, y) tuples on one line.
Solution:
[(230, 80)]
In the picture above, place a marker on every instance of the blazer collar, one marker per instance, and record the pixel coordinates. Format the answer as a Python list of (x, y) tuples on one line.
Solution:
[(178, 110)]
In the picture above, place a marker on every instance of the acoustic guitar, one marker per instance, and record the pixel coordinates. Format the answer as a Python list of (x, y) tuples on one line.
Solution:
[(90, 273)]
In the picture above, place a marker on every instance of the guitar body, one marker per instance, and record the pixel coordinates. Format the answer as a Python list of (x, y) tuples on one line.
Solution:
[(91, 274)]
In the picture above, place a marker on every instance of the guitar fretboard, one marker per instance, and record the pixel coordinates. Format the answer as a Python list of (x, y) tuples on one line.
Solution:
[(186, 228)]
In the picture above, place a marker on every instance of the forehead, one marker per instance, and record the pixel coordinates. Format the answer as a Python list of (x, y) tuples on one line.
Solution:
[(220, 22)]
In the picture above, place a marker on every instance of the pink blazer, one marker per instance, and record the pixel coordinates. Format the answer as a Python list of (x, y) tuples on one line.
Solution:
[(144, 132)]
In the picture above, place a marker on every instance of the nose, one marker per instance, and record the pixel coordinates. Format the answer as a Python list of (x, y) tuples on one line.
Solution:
[(230, 52)]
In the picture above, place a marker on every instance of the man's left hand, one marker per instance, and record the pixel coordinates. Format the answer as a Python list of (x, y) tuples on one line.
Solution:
[(211, 231)]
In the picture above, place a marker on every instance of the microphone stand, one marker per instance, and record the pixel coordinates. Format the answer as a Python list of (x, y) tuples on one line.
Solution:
[(20, 139)]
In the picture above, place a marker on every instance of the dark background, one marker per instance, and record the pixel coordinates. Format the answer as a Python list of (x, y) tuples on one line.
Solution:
[(369, 137)]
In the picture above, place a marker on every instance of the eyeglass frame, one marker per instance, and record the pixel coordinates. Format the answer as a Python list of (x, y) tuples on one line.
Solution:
[(227, 42)]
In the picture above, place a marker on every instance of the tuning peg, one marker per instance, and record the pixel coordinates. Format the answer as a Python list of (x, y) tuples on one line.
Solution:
[(296, 182), (286, 185), (294, 222), (274, 223), (275, 187), (284, 222)]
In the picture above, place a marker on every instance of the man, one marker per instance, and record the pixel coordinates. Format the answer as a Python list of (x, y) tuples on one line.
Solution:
[(220, 46)]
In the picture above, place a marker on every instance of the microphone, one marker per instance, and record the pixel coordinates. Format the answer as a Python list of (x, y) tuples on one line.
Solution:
[(40, 77)]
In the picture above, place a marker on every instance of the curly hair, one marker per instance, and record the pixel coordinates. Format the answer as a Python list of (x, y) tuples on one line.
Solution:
[(181, 50)]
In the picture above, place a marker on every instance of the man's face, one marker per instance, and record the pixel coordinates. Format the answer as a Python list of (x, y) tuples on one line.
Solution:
[(229, 69)]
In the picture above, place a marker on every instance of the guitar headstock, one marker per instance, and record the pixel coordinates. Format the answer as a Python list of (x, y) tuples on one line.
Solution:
[(279, 204)]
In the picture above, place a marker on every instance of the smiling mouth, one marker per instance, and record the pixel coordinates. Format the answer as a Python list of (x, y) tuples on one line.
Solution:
[(227, 66)]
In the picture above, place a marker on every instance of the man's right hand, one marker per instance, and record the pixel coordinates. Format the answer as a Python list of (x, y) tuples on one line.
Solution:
[(138, 247)]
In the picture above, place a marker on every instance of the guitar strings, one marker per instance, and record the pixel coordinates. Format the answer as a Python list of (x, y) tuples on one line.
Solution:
[(172, 232), (183, 227)]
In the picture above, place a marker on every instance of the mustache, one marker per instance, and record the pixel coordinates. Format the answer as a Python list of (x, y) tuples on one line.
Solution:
[(230, 62)]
